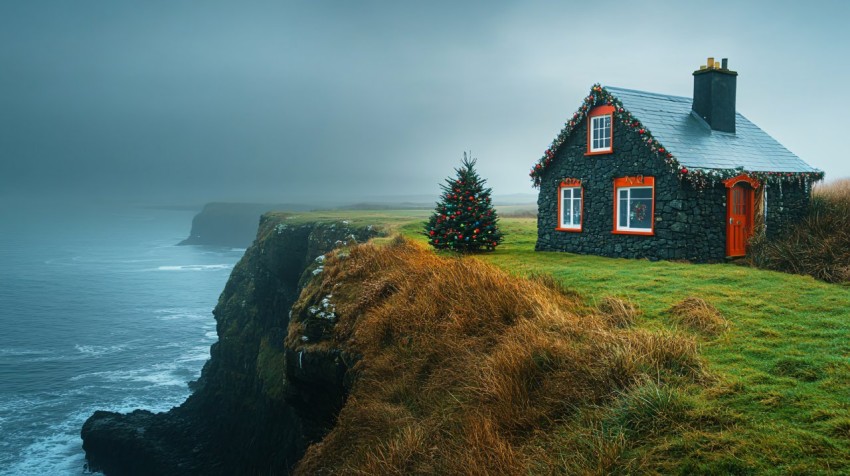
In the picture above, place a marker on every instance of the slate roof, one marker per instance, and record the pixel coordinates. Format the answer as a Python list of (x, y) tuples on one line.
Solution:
[(696, 146)]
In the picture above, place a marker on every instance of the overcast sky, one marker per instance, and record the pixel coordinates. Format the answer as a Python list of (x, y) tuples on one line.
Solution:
[(179, 101)]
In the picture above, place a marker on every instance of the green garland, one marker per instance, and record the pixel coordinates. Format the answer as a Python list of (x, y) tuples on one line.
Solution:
[(700, 178)]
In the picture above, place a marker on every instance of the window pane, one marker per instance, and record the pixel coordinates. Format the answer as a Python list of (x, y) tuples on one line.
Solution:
[(641, 193), (623, 218), (577, 210), (640, 212)]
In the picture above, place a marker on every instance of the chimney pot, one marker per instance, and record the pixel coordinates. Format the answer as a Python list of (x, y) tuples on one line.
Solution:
[(714, 95)]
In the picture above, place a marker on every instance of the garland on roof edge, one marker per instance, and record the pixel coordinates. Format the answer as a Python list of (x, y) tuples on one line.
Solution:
[(700, 178)]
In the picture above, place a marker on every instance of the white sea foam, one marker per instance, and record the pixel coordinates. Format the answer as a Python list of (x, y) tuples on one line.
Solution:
[(56, 454), (211, 335), (19, 352), (195, 267), (157, 376), (97, 350), (170, 314), (198, 354)]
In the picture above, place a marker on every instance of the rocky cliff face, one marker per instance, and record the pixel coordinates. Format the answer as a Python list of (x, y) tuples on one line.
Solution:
[(251, 412), (230, 224)]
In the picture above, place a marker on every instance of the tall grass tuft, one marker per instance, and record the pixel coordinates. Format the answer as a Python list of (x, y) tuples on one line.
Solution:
[(650, 408), (819, 246), (620, 312), (698, 315), (464, 369)]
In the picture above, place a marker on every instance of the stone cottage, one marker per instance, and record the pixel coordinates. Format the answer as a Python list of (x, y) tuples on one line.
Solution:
[(644, 175)]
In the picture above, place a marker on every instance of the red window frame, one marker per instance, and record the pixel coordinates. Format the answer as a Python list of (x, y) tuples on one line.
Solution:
[(628, 182), (597, 112), (570, 183)]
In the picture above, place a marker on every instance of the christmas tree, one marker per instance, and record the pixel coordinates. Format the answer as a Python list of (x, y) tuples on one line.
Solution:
[(464, 219)]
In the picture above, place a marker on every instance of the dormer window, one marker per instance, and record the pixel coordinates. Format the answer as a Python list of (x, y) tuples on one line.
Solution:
[(600, 130)]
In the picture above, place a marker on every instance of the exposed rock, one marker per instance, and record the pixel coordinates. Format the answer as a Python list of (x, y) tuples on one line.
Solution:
[(254, 410), (230, 224)]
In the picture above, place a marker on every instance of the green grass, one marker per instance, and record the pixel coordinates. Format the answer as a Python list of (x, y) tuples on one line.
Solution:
[(783, 367), (781, 400)]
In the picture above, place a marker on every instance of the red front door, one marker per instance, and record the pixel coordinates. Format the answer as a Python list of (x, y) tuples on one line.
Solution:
[(739, 218)]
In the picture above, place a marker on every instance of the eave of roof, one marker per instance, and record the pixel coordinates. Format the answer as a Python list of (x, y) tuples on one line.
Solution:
[(695, 145), (686, 143)]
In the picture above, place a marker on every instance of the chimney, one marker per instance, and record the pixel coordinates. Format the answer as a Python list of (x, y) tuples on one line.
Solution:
[(714, 95)]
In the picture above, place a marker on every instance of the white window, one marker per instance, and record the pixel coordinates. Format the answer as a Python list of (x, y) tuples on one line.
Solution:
[(570, 207), (600, 133), (634, 209)]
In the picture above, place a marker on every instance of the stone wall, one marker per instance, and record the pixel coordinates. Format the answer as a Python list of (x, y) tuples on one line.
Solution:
[(786, 206), (689, 223)]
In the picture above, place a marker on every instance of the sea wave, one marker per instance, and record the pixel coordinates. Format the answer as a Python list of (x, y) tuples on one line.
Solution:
[(170, 314), (20, 352), (198, 354), (55, 449), (161, 375), (98, 350), (195, 267)]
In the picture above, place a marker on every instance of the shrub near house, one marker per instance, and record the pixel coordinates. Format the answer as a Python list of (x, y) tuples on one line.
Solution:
[(644, 175)]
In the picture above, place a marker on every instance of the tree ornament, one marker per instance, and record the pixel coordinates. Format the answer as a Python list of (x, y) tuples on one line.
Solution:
[(458, 217), (699, 178)]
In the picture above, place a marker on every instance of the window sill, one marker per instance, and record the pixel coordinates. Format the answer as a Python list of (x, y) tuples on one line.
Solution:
[(627, 232), (600, 152), (573, 230)]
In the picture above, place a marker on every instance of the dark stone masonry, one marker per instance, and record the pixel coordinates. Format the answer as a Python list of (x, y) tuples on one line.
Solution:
[(690, 223), (786, 205)]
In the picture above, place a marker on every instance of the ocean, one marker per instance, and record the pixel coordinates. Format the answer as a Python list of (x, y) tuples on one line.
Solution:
[(99, 310)]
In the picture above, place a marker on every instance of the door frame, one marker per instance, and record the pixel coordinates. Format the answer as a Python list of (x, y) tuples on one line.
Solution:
[(750, 208)]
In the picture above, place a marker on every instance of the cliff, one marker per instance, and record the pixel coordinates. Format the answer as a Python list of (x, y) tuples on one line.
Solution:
[(239, 420), (394, 360), (230, 224)]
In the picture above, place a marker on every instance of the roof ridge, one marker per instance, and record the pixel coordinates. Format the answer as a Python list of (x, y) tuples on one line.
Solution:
[(649, 93), (683, 141)]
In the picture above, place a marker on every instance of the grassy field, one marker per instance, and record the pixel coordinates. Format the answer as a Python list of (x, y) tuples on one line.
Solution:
[(783, 368), (779, 402)]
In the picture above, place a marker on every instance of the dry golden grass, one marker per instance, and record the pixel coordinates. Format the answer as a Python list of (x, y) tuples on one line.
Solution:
[(820, 244), (834, 191), (698, 315), (621, 312), (464, 369)]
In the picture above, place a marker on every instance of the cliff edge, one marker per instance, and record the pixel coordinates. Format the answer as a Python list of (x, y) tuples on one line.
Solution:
[(239, 419), (392, 359), (230, 224)]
